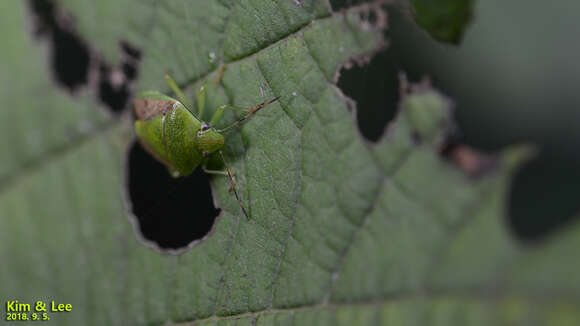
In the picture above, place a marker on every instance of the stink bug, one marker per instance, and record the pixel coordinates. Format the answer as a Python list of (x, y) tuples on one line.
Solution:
[(182, 141)]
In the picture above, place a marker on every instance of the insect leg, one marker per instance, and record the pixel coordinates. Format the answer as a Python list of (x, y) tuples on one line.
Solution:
[(175, 88), (219, 172), (232, 184), (202, 91), (201, 102)]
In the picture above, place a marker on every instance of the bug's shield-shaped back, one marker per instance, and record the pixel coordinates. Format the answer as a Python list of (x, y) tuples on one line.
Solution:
[(167, 130)]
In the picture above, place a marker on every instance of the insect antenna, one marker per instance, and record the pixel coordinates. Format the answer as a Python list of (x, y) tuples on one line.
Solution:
[(251, 111), (233, 185)]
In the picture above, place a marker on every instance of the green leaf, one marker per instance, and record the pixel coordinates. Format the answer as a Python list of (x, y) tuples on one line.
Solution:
[(342, 232), (444, 20)]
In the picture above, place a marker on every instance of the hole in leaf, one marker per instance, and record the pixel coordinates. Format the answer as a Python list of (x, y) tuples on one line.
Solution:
[(70, 56), (114, 85), (130, 51), (112, 88), (544, 195), (170, 212), (73, 60), (371, 17), (375, 88), (338, 5)]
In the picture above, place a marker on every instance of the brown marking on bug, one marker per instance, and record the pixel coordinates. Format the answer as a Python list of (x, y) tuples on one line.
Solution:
[(146, 108)]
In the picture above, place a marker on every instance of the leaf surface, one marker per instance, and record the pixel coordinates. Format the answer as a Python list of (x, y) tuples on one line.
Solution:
[(342, 232)]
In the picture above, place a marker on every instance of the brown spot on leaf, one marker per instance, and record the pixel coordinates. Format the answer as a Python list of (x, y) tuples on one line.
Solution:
[(471, 162)]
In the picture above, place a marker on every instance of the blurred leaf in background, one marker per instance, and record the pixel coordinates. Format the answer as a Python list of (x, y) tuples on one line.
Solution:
[(512, 80), (444, 20)]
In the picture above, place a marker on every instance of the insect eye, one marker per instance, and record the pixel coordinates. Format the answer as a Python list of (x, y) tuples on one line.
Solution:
[(204, 127)]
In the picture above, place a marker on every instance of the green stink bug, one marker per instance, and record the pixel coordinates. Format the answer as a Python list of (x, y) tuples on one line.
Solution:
[(182, 141)]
